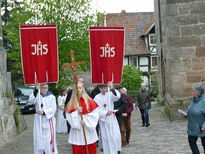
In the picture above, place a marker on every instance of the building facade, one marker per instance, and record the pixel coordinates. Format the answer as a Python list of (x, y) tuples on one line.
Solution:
[(140, 42), (180, 31)]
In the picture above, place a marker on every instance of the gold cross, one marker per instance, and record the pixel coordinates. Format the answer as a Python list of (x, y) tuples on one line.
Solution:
[(73, 66)]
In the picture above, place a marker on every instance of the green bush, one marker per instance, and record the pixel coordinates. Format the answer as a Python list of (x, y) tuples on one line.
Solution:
[(16, 117), (154, 85), (131, 78)]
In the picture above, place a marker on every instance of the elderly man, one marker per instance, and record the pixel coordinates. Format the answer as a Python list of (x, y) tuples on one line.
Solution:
[(46, 110), (120, 106), (142, 102), (126, 120)]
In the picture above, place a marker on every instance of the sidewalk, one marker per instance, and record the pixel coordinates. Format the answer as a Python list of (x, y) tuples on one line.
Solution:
[(162, 137)]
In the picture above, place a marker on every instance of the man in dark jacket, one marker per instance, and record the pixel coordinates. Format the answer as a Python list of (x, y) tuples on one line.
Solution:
[(126, 120), (120, 106), (143, 103), (94, 92)]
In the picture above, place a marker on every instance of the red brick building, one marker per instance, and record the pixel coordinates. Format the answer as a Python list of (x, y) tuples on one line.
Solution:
[(140, 44)]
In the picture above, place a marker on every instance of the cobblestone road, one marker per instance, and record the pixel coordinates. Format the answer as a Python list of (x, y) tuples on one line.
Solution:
[(162, 137)]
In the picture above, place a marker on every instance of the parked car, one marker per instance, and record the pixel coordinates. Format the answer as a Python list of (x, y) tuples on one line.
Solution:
[(21, 95)]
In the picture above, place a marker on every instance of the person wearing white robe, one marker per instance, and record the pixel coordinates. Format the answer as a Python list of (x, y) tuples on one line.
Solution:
[(90, 112), (61, 121), (110, 131), (47, 143)]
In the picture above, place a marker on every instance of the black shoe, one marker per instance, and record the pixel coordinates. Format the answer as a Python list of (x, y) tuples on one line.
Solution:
[(118, 152), (128, 142), (147, 125), (142, 125), (101, 149)]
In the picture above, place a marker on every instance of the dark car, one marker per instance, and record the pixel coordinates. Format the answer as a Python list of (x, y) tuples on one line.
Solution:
[(21, 95)]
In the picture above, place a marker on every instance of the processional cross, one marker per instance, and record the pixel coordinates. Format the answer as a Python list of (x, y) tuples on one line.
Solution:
[(73, 66)]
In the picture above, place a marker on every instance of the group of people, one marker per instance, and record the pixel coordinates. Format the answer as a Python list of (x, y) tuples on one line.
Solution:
[(106, 108)]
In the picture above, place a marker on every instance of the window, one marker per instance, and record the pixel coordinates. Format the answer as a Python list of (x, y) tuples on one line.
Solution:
[(144, 64), (153, 50), (125, 61), (152, 39), (133, 61), (144, 61), (154, 62)]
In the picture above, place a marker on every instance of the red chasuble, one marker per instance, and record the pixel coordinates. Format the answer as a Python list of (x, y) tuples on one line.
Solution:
[(92, 105)]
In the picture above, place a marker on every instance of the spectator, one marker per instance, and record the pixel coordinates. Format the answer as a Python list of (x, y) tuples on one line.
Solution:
[(196, 118), (120, 106), (126, 121), (143, 103)]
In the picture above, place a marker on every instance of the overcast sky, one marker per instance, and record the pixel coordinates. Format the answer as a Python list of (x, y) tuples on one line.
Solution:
[(116, 6)]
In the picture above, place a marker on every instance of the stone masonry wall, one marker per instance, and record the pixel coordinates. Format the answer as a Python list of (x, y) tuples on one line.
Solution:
[(7, 122), (180, 28)]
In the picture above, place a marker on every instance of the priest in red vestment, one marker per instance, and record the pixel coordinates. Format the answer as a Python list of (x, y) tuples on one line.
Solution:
[(90, 111)]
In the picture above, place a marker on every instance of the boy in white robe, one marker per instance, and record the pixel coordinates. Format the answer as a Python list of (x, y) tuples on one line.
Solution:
[(61, 121), (110, 131), (47, 143)]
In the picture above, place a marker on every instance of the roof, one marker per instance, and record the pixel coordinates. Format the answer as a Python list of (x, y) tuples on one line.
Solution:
[(136, 24), (147, 29)]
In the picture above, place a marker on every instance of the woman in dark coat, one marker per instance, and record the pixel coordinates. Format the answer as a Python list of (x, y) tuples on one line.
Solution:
[(196, 118)]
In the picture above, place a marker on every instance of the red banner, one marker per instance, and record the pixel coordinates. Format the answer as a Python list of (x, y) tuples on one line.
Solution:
[(39, 52), (107, 52)]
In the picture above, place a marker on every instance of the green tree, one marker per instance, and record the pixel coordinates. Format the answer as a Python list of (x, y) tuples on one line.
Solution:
[(131, 79), (14, 14), (73, 17)]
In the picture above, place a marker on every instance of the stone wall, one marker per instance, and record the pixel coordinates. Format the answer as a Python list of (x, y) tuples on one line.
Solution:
[(7, 122), (180, 30), (7, 106)]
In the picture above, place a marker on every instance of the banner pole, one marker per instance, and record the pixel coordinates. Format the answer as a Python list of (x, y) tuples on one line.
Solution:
[(109, 106), (40, 117), (39, 99)]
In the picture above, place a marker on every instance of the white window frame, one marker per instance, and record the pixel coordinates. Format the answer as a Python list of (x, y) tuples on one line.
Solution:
[(136, 60), (153, 48), (141, 60), (150, 35), (125, 61)]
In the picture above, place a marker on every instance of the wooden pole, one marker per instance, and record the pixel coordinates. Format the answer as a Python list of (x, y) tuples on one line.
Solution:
[(73, 66)]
